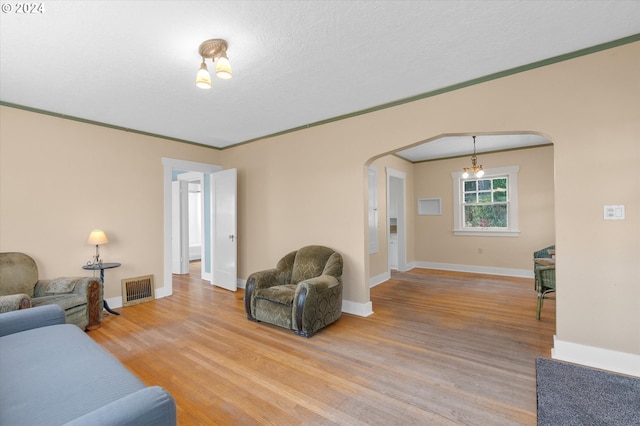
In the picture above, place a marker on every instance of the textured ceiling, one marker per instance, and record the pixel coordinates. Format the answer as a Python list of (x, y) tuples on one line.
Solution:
[(132, 64), (457, 146)]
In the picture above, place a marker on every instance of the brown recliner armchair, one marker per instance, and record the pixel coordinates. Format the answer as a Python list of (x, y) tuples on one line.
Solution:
[(302, 293), (80, 298)]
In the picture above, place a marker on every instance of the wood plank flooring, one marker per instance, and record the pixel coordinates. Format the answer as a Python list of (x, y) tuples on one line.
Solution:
[(441, 348)]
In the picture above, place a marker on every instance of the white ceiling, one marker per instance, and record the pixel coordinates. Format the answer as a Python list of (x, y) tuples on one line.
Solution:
[(132, 64), (456, 146)]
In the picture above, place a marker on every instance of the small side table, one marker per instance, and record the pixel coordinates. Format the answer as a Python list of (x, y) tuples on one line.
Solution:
[(101, 267)]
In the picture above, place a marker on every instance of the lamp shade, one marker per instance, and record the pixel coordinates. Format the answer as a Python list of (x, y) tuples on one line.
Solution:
[(97, 237), (223, 68), (203, 79)]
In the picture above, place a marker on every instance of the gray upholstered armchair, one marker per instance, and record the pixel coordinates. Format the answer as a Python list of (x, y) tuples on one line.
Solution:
[(80, 298), (302, 293)]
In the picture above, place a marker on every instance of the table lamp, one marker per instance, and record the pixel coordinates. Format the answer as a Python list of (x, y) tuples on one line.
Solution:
[(97, 237)]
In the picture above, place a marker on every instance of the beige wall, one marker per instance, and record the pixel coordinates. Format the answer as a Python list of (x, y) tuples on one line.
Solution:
[(435, 241), (310, 186), (294, 191), (59, 179)]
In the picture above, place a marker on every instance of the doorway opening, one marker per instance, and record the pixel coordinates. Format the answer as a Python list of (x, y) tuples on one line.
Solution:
[(429, 166), (396, 220), (172, 168), (188, 212)]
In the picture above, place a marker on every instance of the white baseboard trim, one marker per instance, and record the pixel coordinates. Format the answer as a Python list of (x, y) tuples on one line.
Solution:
[(604, 359), (519, 273), (379, 279), (115, 302), (349, 307), (359, 309), (409, 266), (159, 293)]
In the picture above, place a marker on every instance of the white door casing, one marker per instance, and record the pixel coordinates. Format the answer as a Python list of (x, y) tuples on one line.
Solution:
[(396, 203), (180, 228)]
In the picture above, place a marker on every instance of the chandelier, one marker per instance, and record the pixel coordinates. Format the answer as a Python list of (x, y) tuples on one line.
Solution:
[(216, 50), (475, 169)]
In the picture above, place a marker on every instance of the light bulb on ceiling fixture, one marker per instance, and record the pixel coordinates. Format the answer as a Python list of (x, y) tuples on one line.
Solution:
[(203, 79), (223, 68), (477, 170)]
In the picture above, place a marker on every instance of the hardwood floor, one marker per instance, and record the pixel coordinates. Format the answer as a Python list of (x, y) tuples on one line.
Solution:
[(441, 348)]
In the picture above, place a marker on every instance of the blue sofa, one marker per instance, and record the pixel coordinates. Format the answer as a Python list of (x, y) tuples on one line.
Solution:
[(52, 373)]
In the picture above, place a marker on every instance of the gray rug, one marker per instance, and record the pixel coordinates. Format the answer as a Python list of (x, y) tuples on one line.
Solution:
[(570, 394)]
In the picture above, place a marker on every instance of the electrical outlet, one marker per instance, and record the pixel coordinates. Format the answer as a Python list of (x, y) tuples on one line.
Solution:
[(614, 212)]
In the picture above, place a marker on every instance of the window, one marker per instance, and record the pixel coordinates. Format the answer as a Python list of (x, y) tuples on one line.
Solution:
[(487, 205)]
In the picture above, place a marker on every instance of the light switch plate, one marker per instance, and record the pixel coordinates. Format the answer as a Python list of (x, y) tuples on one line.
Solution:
[(614, 212)]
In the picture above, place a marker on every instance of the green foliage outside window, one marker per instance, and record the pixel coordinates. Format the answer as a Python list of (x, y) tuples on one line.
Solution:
[(485, 203)]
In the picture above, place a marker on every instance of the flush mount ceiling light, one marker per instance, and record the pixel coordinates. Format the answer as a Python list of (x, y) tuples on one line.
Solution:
[(216, 50), (475, 169)]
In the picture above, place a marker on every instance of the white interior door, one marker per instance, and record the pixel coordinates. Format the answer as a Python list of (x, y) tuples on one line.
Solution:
[(180, 228), (224, 229)]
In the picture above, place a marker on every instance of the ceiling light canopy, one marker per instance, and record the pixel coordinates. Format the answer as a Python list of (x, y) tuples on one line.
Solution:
[(216, 50), (475, 169)]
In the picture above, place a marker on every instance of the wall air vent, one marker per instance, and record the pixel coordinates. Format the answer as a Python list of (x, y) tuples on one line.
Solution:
[(137, 290)]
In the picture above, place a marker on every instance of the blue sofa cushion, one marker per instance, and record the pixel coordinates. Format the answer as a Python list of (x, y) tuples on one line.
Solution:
[(151, 406), (55, 374), (17, 321)]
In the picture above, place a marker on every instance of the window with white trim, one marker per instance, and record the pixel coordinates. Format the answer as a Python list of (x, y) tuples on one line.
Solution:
[(486, 205)]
